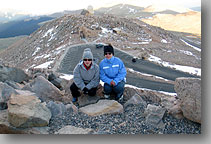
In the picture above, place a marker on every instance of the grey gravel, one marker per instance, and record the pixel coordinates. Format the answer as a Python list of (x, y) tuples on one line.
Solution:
[(132, 121)]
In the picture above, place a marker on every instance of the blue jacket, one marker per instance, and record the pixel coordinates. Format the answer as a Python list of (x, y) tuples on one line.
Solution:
[(112, 69)]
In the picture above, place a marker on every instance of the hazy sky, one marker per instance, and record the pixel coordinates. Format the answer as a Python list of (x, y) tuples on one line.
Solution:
[(50, 6)]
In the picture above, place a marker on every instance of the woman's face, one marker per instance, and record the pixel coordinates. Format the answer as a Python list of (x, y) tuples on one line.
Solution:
[(108, 55), (87, 62)]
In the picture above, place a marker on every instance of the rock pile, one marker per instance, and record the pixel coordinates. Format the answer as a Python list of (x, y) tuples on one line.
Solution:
[(29, 106)]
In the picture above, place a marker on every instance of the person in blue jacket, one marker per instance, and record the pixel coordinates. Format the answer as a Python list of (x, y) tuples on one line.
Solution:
[(113, 74)]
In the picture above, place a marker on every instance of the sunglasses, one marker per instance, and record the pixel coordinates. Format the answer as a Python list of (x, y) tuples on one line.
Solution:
[(108, 53), (87, 60)]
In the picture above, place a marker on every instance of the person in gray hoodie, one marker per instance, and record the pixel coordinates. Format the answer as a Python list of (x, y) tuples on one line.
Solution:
[(85, 76)]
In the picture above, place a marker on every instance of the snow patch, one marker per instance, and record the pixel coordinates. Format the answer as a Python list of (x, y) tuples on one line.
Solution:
[(198, 49), (66, 76), (164, 41), (186, 52), (44, 65), (36, 50), (105, 30), (48, 32), (167, 93), (191, 70), (144, 74)]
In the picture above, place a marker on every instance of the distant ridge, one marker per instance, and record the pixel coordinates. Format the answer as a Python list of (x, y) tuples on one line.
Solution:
[(159, 8), (21, 27), (196, 9)]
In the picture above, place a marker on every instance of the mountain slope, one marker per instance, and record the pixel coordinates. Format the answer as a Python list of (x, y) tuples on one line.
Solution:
[(130, 11), (137, 38), (186, 22), (21, 27), (160, 8), (165, 16)]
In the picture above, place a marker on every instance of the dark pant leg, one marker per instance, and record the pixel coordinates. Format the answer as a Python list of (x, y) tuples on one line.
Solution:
[(74, 90), (119, 89), (107, 89), (92, 91)]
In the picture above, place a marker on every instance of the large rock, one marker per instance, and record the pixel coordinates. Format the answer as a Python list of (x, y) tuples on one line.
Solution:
[(27, 111), (154, 115), (12, 74), (84, 100), (172, 106), (135, 100), (57, 108), (45, 90), (102, 107), (73, 130), (5, 92), (189, 94), (6, 128)]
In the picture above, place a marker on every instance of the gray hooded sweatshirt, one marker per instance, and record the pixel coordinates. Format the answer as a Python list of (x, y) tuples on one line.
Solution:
[(86, 78)]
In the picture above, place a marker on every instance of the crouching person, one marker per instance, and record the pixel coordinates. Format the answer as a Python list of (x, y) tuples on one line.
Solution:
[(85, 76), (113, 74)]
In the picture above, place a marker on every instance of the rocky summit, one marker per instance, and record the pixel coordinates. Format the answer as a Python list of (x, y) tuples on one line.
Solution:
[(37, 99), (133, 36)]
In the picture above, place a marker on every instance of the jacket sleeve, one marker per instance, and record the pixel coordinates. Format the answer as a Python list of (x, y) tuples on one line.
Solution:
[(122, 73), (95, 81), (103, 77), (77, 78)]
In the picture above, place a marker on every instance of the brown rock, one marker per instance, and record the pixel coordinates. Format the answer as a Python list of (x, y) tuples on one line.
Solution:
[(27, 111), (189, 94), (102, 107)]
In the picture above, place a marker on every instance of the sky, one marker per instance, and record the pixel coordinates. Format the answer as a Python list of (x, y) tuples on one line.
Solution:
[(51, 6)]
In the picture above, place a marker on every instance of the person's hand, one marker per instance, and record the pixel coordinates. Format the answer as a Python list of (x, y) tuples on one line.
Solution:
[(112, 83), (85, 90)]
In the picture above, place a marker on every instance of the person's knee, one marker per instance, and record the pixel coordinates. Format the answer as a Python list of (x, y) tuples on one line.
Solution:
[(119, 88), (92, 92), (107, 88), (73, 87)]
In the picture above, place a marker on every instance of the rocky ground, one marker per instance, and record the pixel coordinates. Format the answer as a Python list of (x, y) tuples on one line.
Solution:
[(44, 103), (132, 121)]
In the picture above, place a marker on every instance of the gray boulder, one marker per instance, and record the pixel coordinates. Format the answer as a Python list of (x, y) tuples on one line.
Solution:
[(12, 74), (7, 128), (136, 99), (44, 89), (102, 107), (27, 111), (154, 115), (74, 130), (5, 92), (189, 94), (57, 108)]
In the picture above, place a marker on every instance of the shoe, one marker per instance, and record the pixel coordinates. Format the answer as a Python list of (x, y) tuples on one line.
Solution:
[(106, 96), (120, 99), (74, 99)]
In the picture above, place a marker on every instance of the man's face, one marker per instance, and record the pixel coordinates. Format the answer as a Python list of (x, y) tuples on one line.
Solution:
[(87, 62), (108, 55)]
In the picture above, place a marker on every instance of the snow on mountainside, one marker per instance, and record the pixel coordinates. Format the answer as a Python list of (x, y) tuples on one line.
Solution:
[(168, 17), (48, 43)]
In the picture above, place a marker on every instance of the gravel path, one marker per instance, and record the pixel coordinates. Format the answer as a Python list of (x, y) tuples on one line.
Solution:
[(132, 121)]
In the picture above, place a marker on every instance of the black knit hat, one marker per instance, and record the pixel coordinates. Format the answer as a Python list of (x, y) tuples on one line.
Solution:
[(108, 48)]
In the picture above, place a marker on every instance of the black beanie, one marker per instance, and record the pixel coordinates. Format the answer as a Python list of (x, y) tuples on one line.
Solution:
[(108, 48)]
